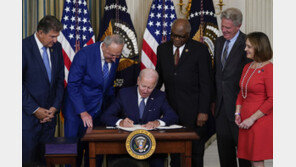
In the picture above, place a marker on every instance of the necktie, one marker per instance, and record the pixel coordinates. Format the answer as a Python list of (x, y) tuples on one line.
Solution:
[(176, 56), (105, 72), (46, 63), (224, 56), (142, 107)]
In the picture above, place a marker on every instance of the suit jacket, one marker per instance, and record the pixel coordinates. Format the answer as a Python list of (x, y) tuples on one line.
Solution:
[(126, 105), (36, 89), (187, 85), (86, 90), (227, 80)]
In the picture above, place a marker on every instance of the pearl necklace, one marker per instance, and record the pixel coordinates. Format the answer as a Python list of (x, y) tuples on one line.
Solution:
[(242, 83)]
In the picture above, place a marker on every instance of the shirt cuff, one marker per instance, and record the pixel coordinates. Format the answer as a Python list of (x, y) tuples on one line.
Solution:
[(36, 110), (117, 123), (161, 123)]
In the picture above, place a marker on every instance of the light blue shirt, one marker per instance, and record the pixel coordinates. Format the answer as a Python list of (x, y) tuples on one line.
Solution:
[(230, 45)]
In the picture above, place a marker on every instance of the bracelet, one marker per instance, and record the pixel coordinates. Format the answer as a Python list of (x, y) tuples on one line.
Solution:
[(237, 113)]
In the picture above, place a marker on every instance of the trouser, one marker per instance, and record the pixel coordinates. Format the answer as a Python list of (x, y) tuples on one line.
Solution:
[(198, 148), (75, 128), (33, 143), (227, 139)]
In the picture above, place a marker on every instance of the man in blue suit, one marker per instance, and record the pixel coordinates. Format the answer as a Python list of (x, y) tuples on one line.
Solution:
[(143, 105), (42, 88), (90, 87)]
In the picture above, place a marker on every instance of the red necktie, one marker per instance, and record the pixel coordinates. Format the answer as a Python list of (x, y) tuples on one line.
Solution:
[(176, 56)]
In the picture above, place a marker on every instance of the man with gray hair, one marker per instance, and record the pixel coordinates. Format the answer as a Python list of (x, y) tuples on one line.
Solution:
[(90, 87), (230, 59)]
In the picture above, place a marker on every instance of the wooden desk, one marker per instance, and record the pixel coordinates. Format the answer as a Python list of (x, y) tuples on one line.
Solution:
[(112, 141)]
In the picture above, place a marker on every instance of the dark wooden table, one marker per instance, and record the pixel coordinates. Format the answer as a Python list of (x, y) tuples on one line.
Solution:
[(112, 141)]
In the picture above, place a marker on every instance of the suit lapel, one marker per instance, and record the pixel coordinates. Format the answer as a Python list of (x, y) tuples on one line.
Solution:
[(53, 63), (38, 57), (96, 65), (185, 54), (232, 54), (170, 55), (134, 103), (148, 106)]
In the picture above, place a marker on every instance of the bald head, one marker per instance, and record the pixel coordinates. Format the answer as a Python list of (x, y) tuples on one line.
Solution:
[(180, 32), (181, 25), (147, 81), (148, 73)]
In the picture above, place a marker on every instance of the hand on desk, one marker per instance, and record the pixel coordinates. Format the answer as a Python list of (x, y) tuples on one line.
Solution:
[(151, 124), (87, 119), (126, 123)]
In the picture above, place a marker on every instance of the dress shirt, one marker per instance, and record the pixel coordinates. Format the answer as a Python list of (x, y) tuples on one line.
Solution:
[(230, 45), (181, 48), (40, 46), (103, 58)]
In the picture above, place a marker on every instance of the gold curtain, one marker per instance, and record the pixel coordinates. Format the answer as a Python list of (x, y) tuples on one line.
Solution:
[(34, 10)]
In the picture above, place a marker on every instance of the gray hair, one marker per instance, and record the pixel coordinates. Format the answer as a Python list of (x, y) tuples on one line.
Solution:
[(233, 14), (149, 73), (117, 39)]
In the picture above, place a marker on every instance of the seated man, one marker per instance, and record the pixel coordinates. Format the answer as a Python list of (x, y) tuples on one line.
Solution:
[(143, 105)]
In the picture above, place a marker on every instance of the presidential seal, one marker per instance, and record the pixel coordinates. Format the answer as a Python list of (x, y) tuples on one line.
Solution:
[(140, 144)]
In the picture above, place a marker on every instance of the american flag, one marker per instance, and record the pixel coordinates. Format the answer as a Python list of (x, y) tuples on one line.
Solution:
[(117, 20), (160, 20), (204, 27), (77, 31)]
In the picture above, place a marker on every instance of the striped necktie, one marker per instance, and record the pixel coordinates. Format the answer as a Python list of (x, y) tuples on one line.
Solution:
[(224, 56)]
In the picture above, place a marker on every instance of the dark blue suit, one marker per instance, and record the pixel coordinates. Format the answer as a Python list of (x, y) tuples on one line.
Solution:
[(86, 90), (37, 91), (126, 105)]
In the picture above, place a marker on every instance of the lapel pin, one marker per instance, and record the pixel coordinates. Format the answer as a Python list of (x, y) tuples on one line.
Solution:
[(51, 50), (152, 98), (186, 50)]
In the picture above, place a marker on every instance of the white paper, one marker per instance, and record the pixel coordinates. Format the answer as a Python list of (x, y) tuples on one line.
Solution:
[(136, 127), (170, 127)]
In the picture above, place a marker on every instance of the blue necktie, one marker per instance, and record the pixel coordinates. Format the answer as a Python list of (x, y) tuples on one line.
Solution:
[(224, 55), (46, 63), (142, 107), (105, 72)]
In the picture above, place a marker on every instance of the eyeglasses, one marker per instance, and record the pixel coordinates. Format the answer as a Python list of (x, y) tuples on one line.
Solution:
[(178, 36)]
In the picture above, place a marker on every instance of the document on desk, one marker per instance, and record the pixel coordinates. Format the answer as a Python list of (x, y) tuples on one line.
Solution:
[(136, 127)]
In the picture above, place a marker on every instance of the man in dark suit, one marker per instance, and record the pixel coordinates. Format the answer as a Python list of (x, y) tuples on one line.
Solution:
[(90, 88), (230, 59), (143, 105), (42, 88), (184, 68)]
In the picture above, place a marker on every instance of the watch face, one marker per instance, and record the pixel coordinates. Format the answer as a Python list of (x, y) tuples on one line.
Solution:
[(140, 144)]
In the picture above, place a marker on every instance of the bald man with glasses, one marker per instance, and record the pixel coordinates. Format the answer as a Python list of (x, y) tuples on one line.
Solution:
[(184, 68)]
